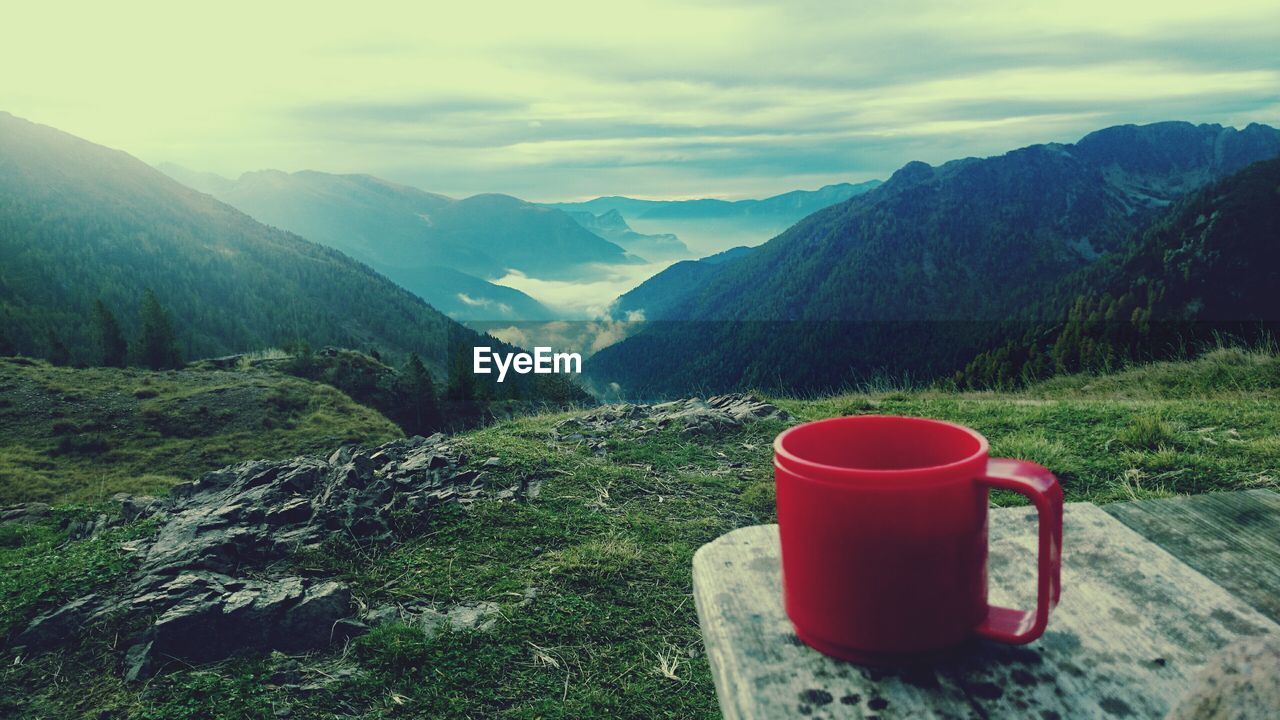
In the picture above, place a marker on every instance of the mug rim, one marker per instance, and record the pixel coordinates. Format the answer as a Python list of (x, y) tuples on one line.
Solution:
[(798, 463)]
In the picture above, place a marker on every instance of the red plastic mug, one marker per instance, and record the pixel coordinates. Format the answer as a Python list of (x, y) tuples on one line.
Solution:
[(883, 524)]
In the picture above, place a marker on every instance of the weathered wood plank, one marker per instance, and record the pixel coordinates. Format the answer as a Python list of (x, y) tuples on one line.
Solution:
[(761, 668), (1133, 625), (1232, 538)]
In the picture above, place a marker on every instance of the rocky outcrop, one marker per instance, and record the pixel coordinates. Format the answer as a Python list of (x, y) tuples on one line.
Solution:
[(25, 513), (690, 416), (208, 578), (254, 513)]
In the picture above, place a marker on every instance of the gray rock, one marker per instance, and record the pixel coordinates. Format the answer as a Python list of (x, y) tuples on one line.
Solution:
[(210, 617), (382, 615), (138, 662), (84, 529), (25, 513), (59, 624), (1240, 683), (480, 616), (209, 576), (474, 616), (310, 622), (346, 629), (530, 488), (135, 507), (691, 416), (254, 513)]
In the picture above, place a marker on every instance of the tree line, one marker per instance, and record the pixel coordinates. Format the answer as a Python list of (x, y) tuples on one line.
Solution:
[(155, 348)]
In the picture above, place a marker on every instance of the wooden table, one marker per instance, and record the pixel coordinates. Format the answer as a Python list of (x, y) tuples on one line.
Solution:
[(1150, 590)]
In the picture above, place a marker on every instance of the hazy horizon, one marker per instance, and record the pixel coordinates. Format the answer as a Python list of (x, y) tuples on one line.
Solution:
[(161, 166), (570, 100)]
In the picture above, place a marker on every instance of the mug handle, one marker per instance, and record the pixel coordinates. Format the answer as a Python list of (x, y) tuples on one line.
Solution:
[(1009, 625)]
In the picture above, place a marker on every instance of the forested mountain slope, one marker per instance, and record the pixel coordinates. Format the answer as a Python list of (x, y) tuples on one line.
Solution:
[(81, 222), (915, 276), (444, 250), (1210, 267)]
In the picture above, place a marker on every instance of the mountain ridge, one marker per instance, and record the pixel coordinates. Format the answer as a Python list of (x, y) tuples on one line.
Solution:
[(708, 226), (969, 241), (612, 226), (438, 247), (272, 193), (83, 222), (793, 201)]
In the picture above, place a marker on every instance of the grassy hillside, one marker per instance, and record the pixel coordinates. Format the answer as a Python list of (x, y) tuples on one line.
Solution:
[(81, 435), (607, 546)]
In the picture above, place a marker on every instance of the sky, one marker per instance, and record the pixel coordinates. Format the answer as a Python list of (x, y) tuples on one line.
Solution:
[(558, 100)]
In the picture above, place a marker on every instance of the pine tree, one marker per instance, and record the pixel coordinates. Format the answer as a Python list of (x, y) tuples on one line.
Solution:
[(420, 395), (462, 381), (7, 345), (112, 348), (461, 407), (157, 346), (58, 353)]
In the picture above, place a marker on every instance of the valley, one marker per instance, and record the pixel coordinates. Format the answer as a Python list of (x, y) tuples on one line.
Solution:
[(493, 258)]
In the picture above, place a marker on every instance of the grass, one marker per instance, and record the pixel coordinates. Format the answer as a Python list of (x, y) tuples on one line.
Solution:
[(606, 551), (81, 435)]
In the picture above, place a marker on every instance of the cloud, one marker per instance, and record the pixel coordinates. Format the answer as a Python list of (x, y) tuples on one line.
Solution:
[(484, 303), (425, 111), (566, 99), (584, 299), (585, 337)]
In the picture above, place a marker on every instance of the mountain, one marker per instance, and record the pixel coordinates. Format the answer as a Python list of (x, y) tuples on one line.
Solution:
[(796, 204), (913, 276), (516, 235), (443, 250), (710, 225), (612, 226), (661, 296), (81, 222), (1209, 268)]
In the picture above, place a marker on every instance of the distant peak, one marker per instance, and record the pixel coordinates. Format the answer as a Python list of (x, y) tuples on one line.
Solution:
[(913, 172), (263, 173), (1163, 131), (495, 198)]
